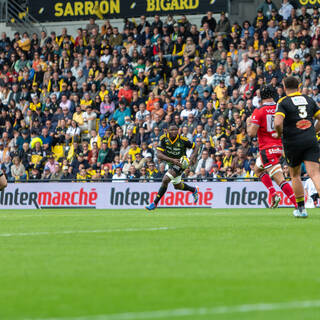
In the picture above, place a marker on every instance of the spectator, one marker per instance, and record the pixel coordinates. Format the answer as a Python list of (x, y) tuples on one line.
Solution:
[(285, 10), (65, 174), (267, 6), (119, 176), (46, 176), (204, 163), (139, 80), (121, 113), (56, 175), (18, 171)]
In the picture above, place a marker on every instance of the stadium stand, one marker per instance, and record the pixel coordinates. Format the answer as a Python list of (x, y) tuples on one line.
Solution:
[(93, 105)]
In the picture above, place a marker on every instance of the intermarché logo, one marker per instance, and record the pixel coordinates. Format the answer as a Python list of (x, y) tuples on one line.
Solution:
[(176, 198), (80, 198), (245, 197)]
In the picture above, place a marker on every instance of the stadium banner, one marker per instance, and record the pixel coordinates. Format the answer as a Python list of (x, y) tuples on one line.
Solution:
[(67, 10), (119, 195), (307, 3)]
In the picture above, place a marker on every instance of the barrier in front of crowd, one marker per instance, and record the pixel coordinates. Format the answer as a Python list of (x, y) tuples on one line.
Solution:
[(120, 195), (66, 10)]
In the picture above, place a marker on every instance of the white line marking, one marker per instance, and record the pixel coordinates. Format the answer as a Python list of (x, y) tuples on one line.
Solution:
[(176, 313), (44, 233), (56, 214)]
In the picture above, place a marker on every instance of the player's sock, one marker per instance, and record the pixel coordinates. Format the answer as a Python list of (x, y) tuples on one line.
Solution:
[(160, 194), (288, 191), (300, 203), (266, 180), (188, 188), (315, 198)]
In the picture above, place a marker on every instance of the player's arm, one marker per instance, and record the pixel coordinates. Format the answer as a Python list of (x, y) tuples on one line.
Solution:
[(279, 117), (191, 145), (161, 156), (317, 124), (252, 128), (278, 124), (317, 117), (194, 154)]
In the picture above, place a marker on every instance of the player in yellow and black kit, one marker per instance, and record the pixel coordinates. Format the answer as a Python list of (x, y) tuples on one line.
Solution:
[(171, 148), (294, 119)]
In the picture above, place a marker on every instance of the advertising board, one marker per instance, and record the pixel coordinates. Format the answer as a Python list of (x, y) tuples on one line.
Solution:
[(133, 195)]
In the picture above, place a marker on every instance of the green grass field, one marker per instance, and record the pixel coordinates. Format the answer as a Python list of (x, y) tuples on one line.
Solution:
[(190, 264)]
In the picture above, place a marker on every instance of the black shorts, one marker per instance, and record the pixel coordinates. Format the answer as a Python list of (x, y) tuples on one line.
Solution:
[(295, 155), (176, 169)]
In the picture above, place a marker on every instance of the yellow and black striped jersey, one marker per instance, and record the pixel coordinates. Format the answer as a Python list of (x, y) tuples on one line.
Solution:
[(175, 149), (299, 112)]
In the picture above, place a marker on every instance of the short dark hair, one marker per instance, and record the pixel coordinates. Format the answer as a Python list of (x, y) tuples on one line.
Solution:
[(266, 92), (291, 83)]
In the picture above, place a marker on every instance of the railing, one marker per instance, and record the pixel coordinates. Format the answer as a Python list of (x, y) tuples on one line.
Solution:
[(138, 180), (17, 16)]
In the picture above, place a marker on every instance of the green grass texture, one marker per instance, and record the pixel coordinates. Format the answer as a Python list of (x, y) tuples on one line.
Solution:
[(189, 264)]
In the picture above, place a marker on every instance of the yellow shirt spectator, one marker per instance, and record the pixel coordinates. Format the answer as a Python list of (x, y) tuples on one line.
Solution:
[(24, 43), (78, 118), (84, 102), (133, 151), (220, 91), (295, 67), (82, 176), (35, 106), (102, 94)]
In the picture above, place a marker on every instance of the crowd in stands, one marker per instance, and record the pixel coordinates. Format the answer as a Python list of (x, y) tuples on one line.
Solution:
[(93, 105)]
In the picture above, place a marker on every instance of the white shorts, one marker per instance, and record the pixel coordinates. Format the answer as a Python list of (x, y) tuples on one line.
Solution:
[(174, 180), (259, 163)]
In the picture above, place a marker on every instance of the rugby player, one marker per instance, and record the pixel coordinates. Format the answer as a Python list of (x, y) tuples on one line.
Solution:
[(171, 148), (268, 166), (294, 121)]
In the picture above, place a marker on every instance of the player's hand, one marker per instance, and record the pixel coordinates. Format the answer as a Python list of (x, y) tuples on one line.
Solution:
[(177, 162)]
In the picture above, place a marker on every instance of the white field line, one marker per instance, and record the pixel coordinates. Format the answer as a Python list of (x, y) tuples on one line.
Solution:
[(51, 213), (187, 312), (55, 214), (45, 233)]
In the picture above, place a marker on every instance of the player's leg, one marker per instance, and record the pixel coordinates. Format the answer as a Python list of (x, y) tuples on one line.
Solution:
[(3, 181), (297, 186), (164, 186), (315, 198), (179, 185), (294, 158), (313, 170), (276, 174), (264, 177)]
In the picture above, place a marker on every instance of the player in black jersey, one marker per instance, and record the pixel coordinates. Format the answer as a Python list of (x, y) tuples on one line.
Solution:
[(171, 148), (294, 120)]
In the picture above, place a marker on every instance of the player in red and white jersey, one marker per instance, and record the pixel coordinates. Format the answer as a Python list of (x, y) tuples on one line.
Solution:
[(268, 166)]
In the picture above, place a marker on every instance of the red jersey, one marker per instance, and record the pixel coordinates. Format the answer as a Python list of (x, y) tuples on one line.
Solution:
[(264, 118)]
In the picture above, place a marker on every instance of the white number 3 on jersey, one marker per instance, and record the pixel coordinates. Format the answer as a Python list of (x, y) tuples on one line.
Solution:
[(302, 111)]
